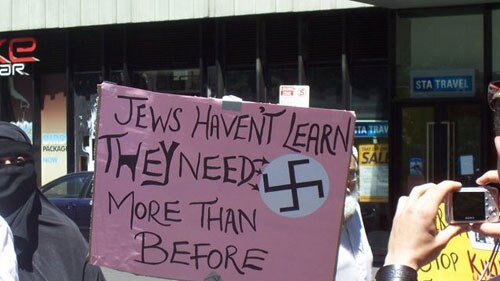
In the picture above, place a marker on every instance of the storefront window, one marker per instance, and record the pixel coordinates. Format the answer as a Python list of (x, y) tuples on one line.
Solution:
[(119, 77), (370, 92), (448, 46), (495, 23), (53, 126), (180, 81), (325, 84), (85, 101), (16, 99), (241, 83), (212, 81)]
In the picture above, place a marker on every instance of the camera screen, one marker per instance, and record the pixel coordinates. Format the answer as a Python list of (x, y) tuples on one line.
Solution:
[(468, 206)]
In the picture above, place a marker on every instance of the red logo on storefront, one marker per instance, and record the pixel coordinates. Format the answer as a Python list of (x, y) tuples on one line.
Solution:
[(19, 51)]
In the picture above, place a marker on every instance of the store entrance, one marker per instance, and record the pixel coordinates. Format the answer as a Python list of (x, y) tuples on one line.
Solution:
[(439, 141)]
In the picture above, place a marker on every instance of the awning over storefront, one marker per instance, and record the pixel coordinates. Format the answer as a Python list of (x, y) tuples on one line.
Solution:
[(405, 4)]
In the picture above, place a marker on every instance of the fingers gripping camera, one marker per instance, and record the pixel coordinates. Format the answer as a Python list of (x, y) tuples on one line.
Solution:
[(472, 205)]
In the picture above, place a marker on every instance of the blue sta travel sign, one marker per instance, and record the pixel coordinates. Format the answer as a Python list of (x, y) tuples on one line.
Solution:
[(371, 129), (442, 83)]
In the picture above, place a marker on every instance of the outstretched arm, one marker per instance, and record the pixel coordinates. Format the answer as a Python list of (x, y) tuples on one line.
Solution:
[(414, 240)]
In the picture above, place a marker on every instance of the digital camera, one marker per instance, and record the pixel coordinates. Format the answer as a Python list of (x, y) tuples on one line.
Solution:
[(472, 205)]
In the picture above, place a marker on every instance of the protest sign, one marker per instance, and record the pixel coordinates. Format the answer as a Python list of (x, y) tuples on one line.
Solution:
[(464, 258), (190, 188)]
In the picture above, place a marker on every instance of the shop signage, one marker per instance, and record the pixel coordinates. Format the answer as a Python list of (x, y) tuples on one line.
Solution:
[(16, 52), (373, 172), (294, 95), (442, 83), (371, 129), (188, 188)]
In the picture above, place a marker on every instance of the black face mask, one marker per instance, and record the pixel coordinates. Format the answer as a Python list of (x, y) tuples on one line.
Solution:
[(19, 197), (17, 180)]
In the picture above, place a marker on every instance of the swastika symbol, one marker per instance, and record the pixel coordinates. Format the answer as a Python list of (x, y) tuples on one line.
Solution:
[(294, 186)]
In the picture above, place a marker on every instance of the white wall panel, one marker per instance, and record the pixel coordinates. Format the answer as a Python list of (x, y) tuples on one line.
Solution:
[(71, 13), (89, 12), (201, 8), (162, 10), (52, 18), (309, 5), (178, 9), (143, 11), (35, 14), (283, 6), (347, 4), (108, 11), (6, 15), (244, 7), (20, 14), (223, 8), (267, 6), (123, 11), (327, 5)]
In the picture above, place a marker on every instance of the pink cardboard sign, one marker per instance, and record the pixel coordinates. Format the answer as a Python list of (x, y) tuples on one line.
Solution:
[(195, 188)]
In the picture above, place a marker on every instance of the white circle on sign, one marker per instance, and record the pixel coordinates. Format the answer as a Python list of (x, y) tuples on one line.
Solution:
[(294, 185)]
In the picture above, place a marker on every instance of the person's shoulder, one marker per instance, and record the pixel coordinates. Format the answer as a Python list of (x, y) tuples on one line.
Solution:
[(55, 218), (3, 222), (4, 226)]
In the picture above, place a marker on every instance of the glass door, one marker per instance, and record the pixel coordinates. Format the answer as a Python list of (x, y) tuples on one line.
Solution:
[(440, 141)]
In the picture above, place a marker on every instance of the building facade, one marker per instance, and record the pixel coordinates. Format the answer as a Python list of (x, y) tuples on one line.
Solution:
[(415, 75)]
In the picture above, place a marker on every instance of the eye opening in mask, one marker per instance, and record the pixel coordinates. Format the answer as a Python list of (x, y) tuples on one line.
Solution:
[(13, 160)]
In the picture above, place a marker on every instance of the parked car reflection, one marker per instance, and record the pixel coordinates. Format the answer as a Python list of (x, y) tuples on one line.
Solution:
[(72, 193)]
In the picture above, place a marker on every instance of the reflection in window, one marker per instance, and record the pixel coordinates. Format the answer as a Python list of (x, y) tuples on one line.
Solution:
[(325, 84), (241, 83), (183, 81), (16, 99), (495, 23), (67, 189), (369, 92), (212, 82), (85, 118), (119, 77)]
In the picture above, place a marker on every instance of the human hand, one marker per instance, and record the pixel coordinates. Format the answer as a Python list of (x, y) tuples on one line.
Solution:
[(414, 240), (488, 177)]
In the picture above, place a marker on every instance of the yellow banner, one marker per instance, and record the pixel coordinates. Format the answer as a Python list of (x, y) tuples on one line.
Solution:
[(373, 154), (373, 172), (463, 259)]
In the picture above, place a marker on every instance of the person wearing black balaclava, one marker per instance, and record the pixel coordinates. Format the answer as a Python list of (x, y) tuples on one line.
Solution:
[(48, 244)]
